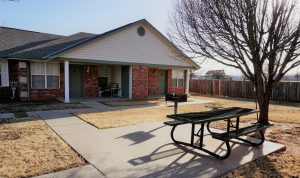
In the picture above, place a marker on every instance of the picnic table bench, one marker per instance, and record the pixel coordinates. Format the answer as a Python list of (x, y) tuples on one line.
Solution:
[(208, 117)]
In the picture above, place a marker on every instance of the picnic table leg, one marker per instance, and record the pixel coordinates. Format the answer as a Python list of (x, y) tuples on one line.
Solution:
[(192, 134), (237, 123), (176, 141), (228, 125), (201, 135), (208, 129), (201, 142)]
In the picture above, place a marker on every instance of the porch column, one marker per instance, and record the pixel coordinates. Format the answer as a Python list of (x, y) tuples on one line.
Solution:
[(66, 72), (187, 82)]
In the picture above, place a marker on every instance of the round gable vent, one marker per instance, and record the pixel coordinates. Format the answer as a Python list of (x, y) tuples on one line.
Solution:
[(141, 31)]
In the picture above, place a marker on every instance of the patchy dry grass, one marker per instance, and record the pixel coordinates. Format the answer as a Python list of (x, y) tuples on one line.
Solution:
[(279, 112), (118, 118), (109, 119), (31, 148), (25, 106)]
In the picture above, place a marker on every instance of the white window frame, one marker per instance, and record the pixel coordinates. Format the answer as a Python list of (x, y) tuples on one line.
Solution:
[(45, 76), (4, 71), (177, 78)]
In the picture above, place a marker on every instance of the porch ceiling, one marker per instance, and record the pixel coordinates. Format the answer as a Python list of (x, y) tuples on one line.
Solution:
[(95, 62)]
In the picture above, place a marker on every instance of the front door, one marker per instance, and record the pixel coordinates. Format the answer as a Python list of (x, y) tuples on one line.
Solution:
[(162, 81), (76, 81)]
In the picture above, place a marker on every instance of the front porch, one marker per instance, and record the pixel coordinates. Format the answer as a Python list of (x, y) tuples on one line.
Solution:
[(98, 81), (138, 82)]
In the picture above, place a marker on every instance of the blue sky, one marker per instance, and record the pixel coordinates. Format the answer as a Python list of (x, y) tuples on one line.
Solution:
[(71, 16), (67, 17)]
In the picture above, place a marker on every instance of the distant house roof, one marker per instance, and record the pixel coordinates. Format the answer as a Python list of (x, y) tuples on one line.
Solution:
[(213, 72), (16, 43)]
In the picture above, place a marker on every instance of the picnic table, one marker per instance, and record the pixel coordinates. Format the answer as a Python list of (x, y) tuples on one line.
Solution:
[(207, 117)]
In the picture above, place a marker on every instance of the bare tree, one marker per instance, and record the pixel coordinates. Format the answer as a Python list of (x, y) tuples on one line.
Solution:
[(249, 35)]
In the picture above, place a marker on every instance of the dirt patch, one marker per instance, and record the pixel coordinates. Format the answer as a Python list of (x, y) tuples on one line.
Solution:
[(31, 148), (25, 106)]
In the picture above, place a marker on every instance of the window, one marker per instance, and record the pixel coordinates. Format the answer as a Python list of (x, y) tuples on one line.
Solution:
[(4, 75), (177, 78), (141, 31), (44, 75), (103, 76)]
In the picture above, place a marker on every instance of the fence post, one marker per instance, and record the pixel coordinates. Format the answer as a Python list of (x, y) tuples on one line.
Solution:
[(213, 87), (219, 87)]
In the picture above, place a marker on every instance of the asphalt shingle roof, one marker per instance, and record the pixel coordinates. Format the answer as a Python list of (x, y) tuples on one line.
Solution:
[(14, 40), (41, 51), (16, 43)]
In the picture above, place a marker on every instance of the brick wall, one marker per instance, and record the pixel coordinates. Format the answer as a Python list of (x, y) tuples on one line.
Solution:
[(90, 80), (179, 90), (47, 94), (22, 68), (139, 82), (152, 82)]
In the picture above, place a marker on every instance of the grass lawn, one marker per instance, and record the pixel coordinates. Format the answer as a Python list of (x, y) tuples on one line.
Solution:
[(17, 106), (118, 118), (30, 148), (286, 130)]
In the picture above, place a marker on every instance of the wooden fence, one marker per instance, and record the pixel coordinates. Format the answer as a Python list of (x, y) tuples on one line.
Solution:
[(283, 91)]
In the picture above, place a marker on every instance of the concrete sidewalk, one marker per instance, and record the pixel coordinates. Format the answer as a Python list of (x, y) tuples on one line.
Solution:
[(78, 172), (147, 151)]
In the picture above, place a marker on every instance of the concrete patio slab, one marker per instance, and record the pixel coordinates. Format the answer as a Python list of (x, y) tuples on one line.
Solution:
[(79, 172), (147, 150)]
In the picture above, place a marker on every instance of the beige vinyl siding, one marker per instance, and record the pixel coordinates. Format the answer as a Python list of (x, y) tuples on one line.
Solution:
[(127, 46), (116, 76)]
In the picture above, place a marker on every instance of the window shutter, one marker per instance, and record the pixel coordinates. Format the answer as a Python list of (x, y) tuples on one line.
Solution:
[(4, 73)]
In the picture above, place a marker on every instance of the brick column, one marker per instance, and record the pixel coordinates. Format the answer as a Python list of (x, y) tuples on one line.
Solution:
[(152, 82), (22, 68), (139, 82), (90, 74)]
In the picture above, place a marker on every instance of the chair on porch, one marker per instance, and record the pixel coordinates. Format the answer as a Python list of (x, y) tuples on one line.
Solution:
[(112, 90)]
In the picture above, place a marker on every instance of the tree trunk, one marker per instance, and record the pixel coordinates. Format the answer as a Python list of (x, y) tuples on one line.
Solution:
[(264, 102), (263, 111)]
